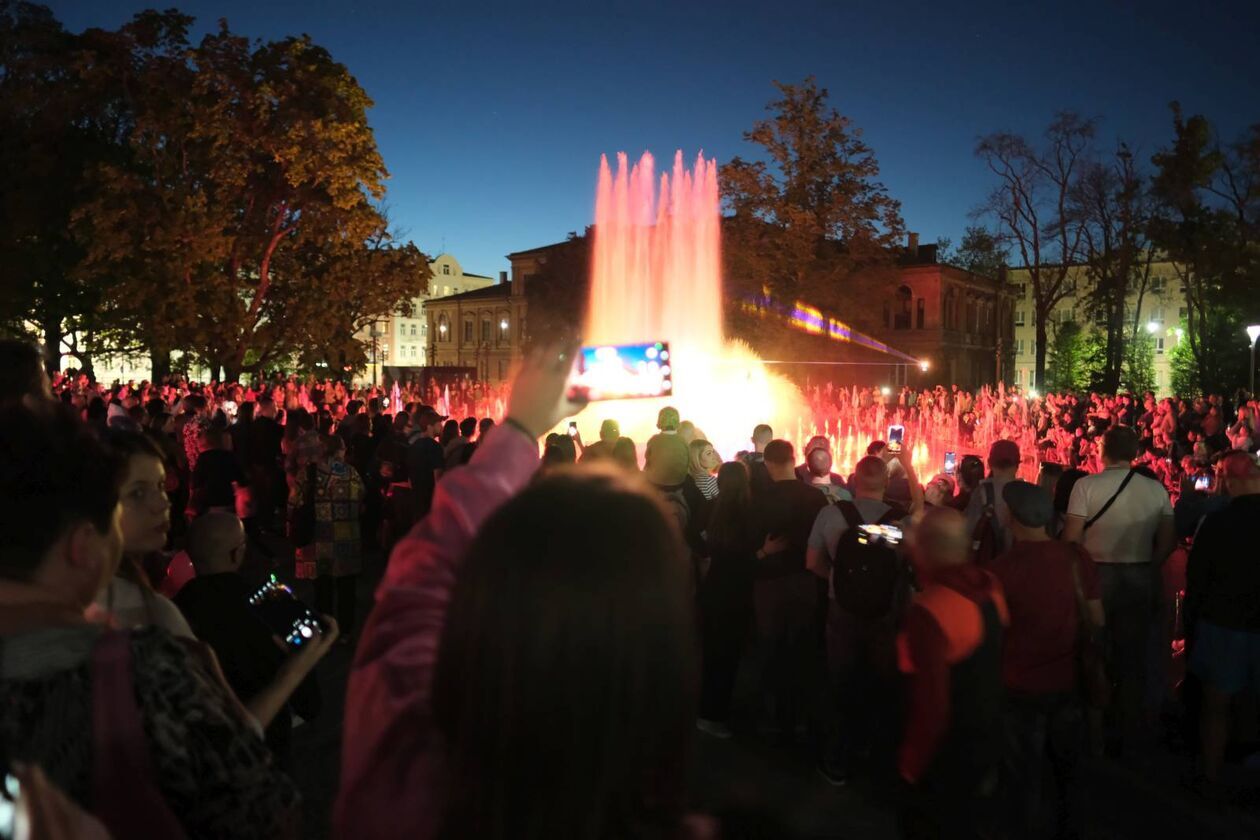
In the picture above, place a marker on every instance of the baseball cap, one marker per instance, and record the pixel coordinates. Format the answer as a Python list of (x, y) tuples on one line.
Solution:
[(1029, 504), (427, 416), (1004, 453), (817, 442)]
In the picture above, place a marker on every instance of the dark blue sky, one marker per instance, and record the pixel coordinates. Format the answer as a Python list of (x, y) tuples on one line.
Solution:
[(492, 116)]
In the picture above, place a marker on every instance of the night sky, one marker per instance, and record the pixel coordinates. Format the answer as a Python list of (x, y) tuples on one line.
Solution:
[(492, 116)]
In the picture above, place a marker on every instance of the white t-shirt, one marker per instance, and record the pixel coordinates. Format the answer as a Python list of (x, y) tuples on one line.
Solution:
[(132, 608), (1126, 532)]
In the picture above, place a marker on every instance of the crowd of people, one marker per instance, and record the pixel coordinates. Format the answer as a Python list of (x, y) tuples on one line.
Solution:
[(558, 621)]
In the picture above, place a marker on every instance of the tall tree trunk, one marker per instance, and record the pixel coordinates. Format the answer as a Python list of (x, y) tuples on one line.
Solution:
[(1040, 356), (52, 343), (159, 364)]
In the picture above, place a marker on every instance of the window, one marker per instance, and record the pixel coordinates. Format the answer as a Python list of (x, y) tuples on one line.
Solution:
[(1157, 315), (446, 290), (424, 328), (918, 318), (1019, 347), (468, 330), (444, 329), (446, 269), (901, 310), (1157, 285), (1019, 376), (1182, 313), (485, 330), (1159, 346), (1019, 317), (413, 330)]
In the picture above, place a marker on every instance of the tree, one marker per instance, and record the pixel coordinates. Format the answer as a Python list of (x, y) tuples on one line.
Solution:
[(1112, 205), (1074, 358), (54, 128), (1031, 207), (980, 252), (811, 220), (1207, 220), (1138, 374), (250, 172)]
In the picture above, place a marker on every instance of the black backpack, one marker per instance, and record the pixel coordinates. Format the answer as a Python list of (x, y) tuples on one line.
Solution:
[(985, 539), (866, 574)]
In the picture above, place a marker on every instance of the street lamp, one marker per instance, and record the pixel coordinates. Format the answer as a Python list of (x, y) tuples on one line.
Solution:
[(1151, 327), (1253, 332)]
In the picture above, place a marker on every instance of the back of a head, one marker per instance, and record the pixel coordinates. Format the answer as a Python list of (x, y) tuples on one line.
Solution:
[(625, 453), (1241, 473), (21, 371), (1063, 489), (1120, 445), (484, 426), (211, 539), (779, 453), (870, 476), (971, 471), (401, 421), (54, 474), (1004, 455), (667, 419), (569, 635), (468, 427), (609, 431), (762, 434), (941, 539)]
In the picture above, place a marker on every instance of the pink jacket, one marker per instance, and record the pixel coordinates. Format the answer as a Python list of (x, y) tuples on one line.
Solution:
[(391, 762)]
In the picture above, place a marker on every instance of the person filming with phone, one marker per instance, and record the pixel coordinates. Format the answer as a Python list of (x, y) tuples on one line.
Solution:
[(271, 682)]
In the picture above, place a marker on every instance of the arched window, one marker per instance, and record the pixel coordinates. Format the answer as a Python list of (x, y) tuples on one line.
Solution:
[(443, 328), (918, 316), (902, 308), (468, 329), (487, 330)]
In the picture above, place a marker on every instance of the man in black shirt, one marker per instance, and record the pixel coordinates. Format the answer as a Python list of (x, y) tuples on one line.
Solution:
[(425, 459), (216, 472), (1222, 607), (786, 596), (255, 664)]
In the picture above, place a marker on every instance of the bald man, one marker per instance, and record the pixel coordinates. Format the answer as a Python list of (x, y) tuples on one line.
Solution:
[(951, 648), (1222, 607), (271, 683)]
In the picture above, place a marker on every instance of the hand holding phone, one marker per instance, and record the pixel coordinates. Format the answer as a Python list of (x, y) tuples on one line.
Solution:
[(289, 618), (951, 463), (1203, 483)]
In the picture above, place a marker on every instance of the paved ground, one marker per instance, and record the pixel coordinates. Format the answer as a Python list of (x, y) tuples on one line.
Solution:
[(777, 792)]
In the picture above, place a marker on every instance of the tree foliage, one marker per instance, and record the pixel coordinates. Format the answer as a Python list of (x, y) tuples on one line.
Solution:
[(810, 219), (236, 197), (1207, 220), (1074, 358)]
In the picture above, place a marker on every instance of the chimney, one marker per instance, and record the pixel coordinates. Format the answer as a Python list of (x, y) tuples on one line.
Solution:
[(502, 277), (912, 245)]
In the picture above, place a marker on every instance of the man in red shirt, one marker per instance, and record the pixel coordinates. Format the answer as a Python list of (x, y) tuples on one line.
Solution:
[(951, 651), (1044, 716)]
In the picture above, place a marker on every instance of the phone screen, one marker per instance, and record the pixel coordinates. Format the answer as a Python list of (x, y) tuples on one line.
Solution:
[(1203, 482), (285, 614), (623, 371), (896, 433), (572, 429), (889, 534), (951, 463)]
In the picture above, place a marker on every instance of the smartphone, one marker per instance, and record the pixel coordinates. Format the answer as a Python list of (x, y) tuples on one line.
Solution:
[(1203, 483), (951, 463), (622, 371), (572, 429), (896, 433), (285, 614), (874, 534)]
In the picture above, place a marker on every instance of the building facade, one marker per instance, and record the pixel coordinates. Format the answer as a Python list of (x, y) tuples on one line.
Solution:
[(1159, 310), (956, 321), (406, 337)]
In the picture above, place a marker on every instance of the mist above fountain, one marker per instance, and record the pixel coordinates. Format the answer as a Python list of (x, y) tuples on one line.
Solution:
[(656, 275)]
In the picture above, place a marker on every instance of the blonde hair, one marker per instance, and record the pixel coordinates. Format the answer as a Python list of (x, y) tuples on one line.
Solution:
[(696, 449)]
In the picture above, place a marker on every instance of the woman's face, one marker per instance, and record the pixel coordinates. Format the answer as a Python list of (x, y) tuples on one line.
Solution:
[(145, 508), (709, 459)]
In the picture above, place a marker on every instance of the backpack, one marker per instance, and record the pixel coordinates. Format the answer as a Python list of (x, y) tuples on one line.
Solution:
[(866, 574), (985, 539)]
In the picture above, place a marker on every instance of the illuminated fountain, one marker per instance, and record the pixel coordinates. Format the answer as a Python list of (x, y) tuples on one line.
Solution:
[(656, 275)]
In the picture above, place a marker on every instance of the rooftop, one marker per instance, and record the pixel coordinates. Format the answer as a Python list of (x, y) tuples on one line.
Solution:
[(498, 290)]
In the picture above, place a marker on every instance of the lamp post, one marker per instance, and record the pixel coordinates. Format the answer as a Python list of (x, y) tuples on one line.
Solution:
[(1253, 332)]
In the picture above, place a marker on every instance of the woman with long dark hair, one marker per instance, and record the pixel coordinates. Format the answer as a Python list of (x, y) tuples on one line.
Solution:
[(726, 593), (528, 671)]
